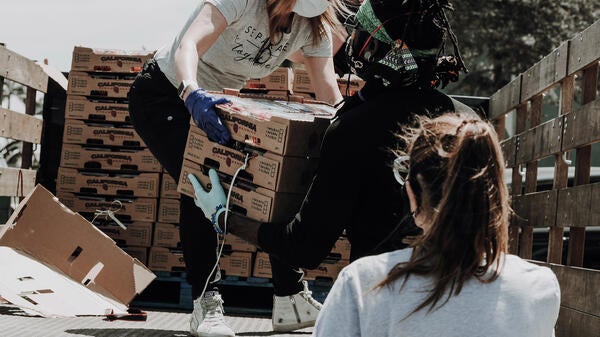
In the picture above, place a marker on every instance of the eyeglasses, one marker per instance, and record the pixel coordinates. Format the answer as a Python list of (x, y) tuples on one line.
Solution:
[(401, 169)]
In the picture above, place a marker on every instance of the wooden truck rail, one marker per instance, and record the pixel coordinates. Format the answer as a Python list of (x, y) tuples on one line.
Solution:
[(572, 70)]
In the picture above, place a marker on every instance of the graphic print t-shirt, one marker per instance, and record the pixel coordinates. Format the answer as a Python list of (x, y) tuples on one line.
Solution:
[(232, 59)]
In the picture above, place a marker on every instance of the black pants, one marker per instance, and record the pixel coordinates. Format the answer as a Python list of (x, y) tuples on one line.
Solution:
[(162, 120)]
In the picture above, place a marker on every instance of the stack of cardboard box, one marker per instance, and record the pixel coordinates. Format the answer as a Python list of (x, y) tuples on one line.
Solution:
[(105, 165), (281, 141), (277, 85)]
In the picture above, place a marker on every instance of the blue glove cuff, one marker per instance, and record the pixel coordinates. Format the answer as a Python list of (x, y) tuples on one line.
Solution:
[(214, 218)]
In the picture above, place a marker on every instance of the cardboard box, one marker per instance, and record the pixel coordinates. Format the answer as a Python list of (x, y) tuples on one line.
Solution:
[(302, 82), (235, 243), (281, 79), (165, 259), (325, 270), (52, 259), (341, 248), (166, 235), (139, 160), (125, 209), (80, 132), (168, 210), (273, 95), (250, 200), (104, 183), (236, 264), (281, 127), (109, 60), (168, 187), (84, 108), (140, 253), (269, 170), (99, 85), (262, 265), (137, 234), (350, 87)]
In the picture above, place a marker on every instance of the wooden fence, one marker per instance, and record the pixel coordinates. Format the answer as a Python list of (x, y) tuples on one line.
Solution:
[(18, 126), (572, 70)]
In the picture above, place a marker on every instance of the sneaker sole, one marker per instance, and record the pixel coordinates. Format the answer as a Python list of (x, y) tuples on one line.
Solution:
[(292, 327)]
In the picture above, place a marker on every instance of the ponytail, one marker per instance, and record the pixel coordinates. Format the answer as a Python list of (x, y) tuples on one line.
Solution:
[(457, 166)]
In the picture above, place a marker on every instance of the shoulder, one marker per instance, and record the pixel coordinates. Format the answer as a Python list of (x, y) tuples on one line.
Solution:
[(537, 277), (232, 10)]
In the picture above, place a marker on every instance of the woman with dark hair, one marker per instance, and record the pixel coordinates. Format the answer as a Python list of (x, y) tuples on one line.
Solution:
[(221, 45), (457, 279)]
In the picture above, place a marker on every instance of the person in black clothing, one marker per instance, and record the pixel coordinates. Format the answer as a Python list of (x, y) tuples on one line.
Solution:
[(395, 47)]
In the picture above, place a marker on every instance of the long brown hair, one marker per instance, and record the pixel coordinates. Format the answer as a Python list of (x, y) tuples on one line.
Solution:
[(279, 18), (456, 173)]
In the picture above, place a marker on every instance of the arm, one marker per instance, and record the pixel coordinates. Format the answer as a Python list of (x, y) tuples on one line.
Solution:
[(325, 83), (200, 36)]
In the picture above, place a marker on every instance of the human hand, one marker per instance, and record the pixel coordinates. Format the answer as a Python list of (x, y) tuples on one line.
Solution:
[(213, 202), (201, 106)]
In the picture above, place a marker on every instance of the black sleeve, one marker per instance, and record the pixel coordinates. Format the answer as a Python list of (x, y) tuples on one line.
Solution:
[(309, 237)]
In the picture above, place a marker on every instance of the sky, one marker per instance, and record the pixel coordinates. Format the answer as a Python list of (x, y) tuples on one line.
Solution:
[(49, 29)]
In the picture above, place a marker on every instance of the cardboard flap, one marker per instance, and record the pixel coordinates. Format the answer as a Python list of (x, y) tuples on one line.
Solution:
[(54, 235)]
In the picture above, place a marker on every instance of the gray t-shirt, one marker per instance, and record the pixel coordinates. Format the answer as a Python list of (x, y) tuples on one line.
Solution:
[(231, 59), (523, 301)]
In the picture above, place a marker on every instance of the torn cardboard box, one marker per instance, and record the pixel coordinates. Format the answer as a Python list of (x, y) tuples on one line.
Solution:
[(56, 263)]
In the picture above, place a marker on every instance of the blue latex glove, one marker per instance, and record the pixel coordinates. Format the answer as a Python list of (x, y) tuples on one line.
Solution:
[(201, 106), (212, 203)]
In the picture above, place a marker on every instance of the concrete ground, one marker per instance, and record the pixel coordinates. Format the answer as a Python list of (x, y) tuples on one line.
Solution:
[(16, 323)]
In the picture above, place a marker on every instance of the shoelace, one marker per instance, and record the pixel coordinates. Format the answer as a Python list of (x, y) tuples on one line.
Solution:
[(307, 294), (213, 305)]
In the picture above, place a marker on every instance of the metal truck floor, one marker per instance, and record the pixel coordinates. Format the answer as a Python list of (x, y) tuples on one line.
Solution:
[(16, 323)]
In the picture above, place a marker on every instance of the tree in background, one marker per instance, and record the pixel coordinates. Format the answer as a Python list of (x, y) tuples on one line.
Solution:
[(503, 38)]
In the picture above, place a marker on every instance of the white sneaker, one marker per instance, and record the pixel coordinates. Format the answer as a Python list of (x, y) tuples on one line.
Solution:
[(295, 311), (207, 318)]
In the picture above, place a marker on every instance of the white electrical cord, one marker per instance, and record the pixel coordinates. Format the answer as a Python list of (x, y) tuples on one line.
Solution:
[(220, 247)]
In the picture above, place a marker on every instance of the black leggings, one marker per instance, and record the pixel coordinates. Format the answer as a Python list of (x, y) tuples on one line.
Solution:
[(162, 120)]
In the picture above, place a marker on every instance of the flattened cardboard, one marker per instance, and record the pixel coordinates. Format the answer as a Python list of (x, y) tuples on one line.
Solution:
[(80, 132), (281, 127), (48, 233), (269, 170), (137, 233), (166, 235), (140, 253), (168, 210), (250, 200), (84, 108), (108, 60), (99, 85), (139, 160), (125, 209), (114, 184)]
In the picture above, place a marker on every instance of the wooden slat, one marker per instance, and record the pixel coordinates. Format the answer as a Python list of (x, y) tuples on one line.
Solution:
[(582, 127), (19, 126), (573, 323), (505, 99), (27, 148), (509, 151), (583, 48), (539, 142), (575, 282), (537, 209), (546, 73), (574, 206), (9, 181), (22, 70), (595, 200)]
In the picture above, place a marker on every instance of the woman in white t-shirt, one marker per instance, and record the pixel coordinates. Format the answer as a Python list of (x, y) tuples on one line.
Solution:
[(457, 279), (222, 44)]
